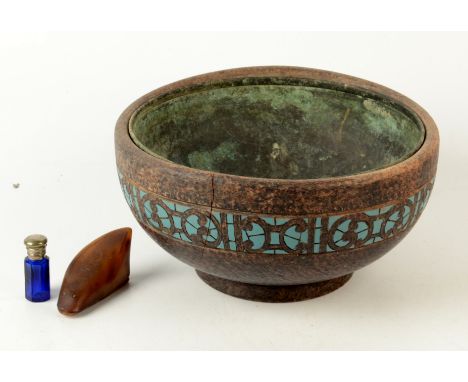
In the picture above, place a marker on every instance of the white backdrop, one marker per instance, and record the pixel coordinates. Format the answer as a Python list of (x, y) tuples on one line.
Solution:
[(60, 96)]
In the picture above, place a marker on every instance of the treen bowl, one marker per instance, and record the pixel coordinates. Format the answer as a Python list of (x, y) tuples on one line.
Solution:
[(276, 183)]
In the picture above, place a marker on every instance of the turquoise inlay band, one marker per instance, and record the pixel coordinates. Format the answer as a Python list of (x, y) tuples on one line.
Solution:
[(271, 234)]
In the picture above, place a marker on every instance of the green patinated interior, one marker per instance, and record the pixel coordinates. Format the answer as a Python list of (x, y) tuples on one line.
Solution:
[(277, 129)]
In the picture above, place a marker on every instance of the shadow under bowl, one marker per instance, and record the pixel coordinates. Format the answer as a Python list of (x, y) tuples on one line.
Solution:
[(276, 183)]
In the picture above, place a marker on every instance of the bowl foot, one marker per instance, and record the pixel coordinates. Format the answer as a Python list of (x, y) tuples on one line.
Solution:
[(273, 293)]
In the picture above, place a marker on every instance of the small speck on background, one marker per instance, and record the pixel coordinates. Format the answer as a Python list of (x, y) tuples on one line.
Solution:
[(16, 185)]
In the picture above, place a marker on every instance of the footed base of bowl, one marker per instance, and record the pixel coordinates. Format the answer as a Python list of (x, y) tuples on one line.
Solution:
[(274, 293)]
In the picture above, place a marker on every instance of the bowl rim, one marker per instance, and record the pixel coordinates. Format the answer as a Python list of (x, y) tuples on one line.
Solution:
[(169, 97), (423, 119)]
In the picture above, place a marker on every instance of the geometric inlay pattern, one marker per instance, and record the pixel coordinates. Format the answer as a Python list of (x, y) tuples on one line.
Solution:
[(243, 232)]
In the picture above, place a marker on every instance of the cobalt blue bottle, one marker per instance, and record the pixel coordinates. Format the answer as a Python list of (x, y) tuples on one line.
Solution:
[(36, 269)]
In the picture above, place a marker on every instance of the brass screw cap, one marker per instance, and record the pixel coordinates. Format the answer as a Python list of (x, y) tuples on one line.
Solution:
[(36, 246)]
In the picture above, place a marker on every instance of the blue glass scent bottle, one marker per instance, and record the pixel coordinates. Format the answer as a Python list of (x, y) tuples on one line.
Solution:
[(36, 269)]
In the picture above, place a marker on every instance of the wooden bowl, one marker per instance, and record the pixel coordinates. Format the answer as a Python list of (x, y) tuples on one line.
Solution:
[(276, 183)]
